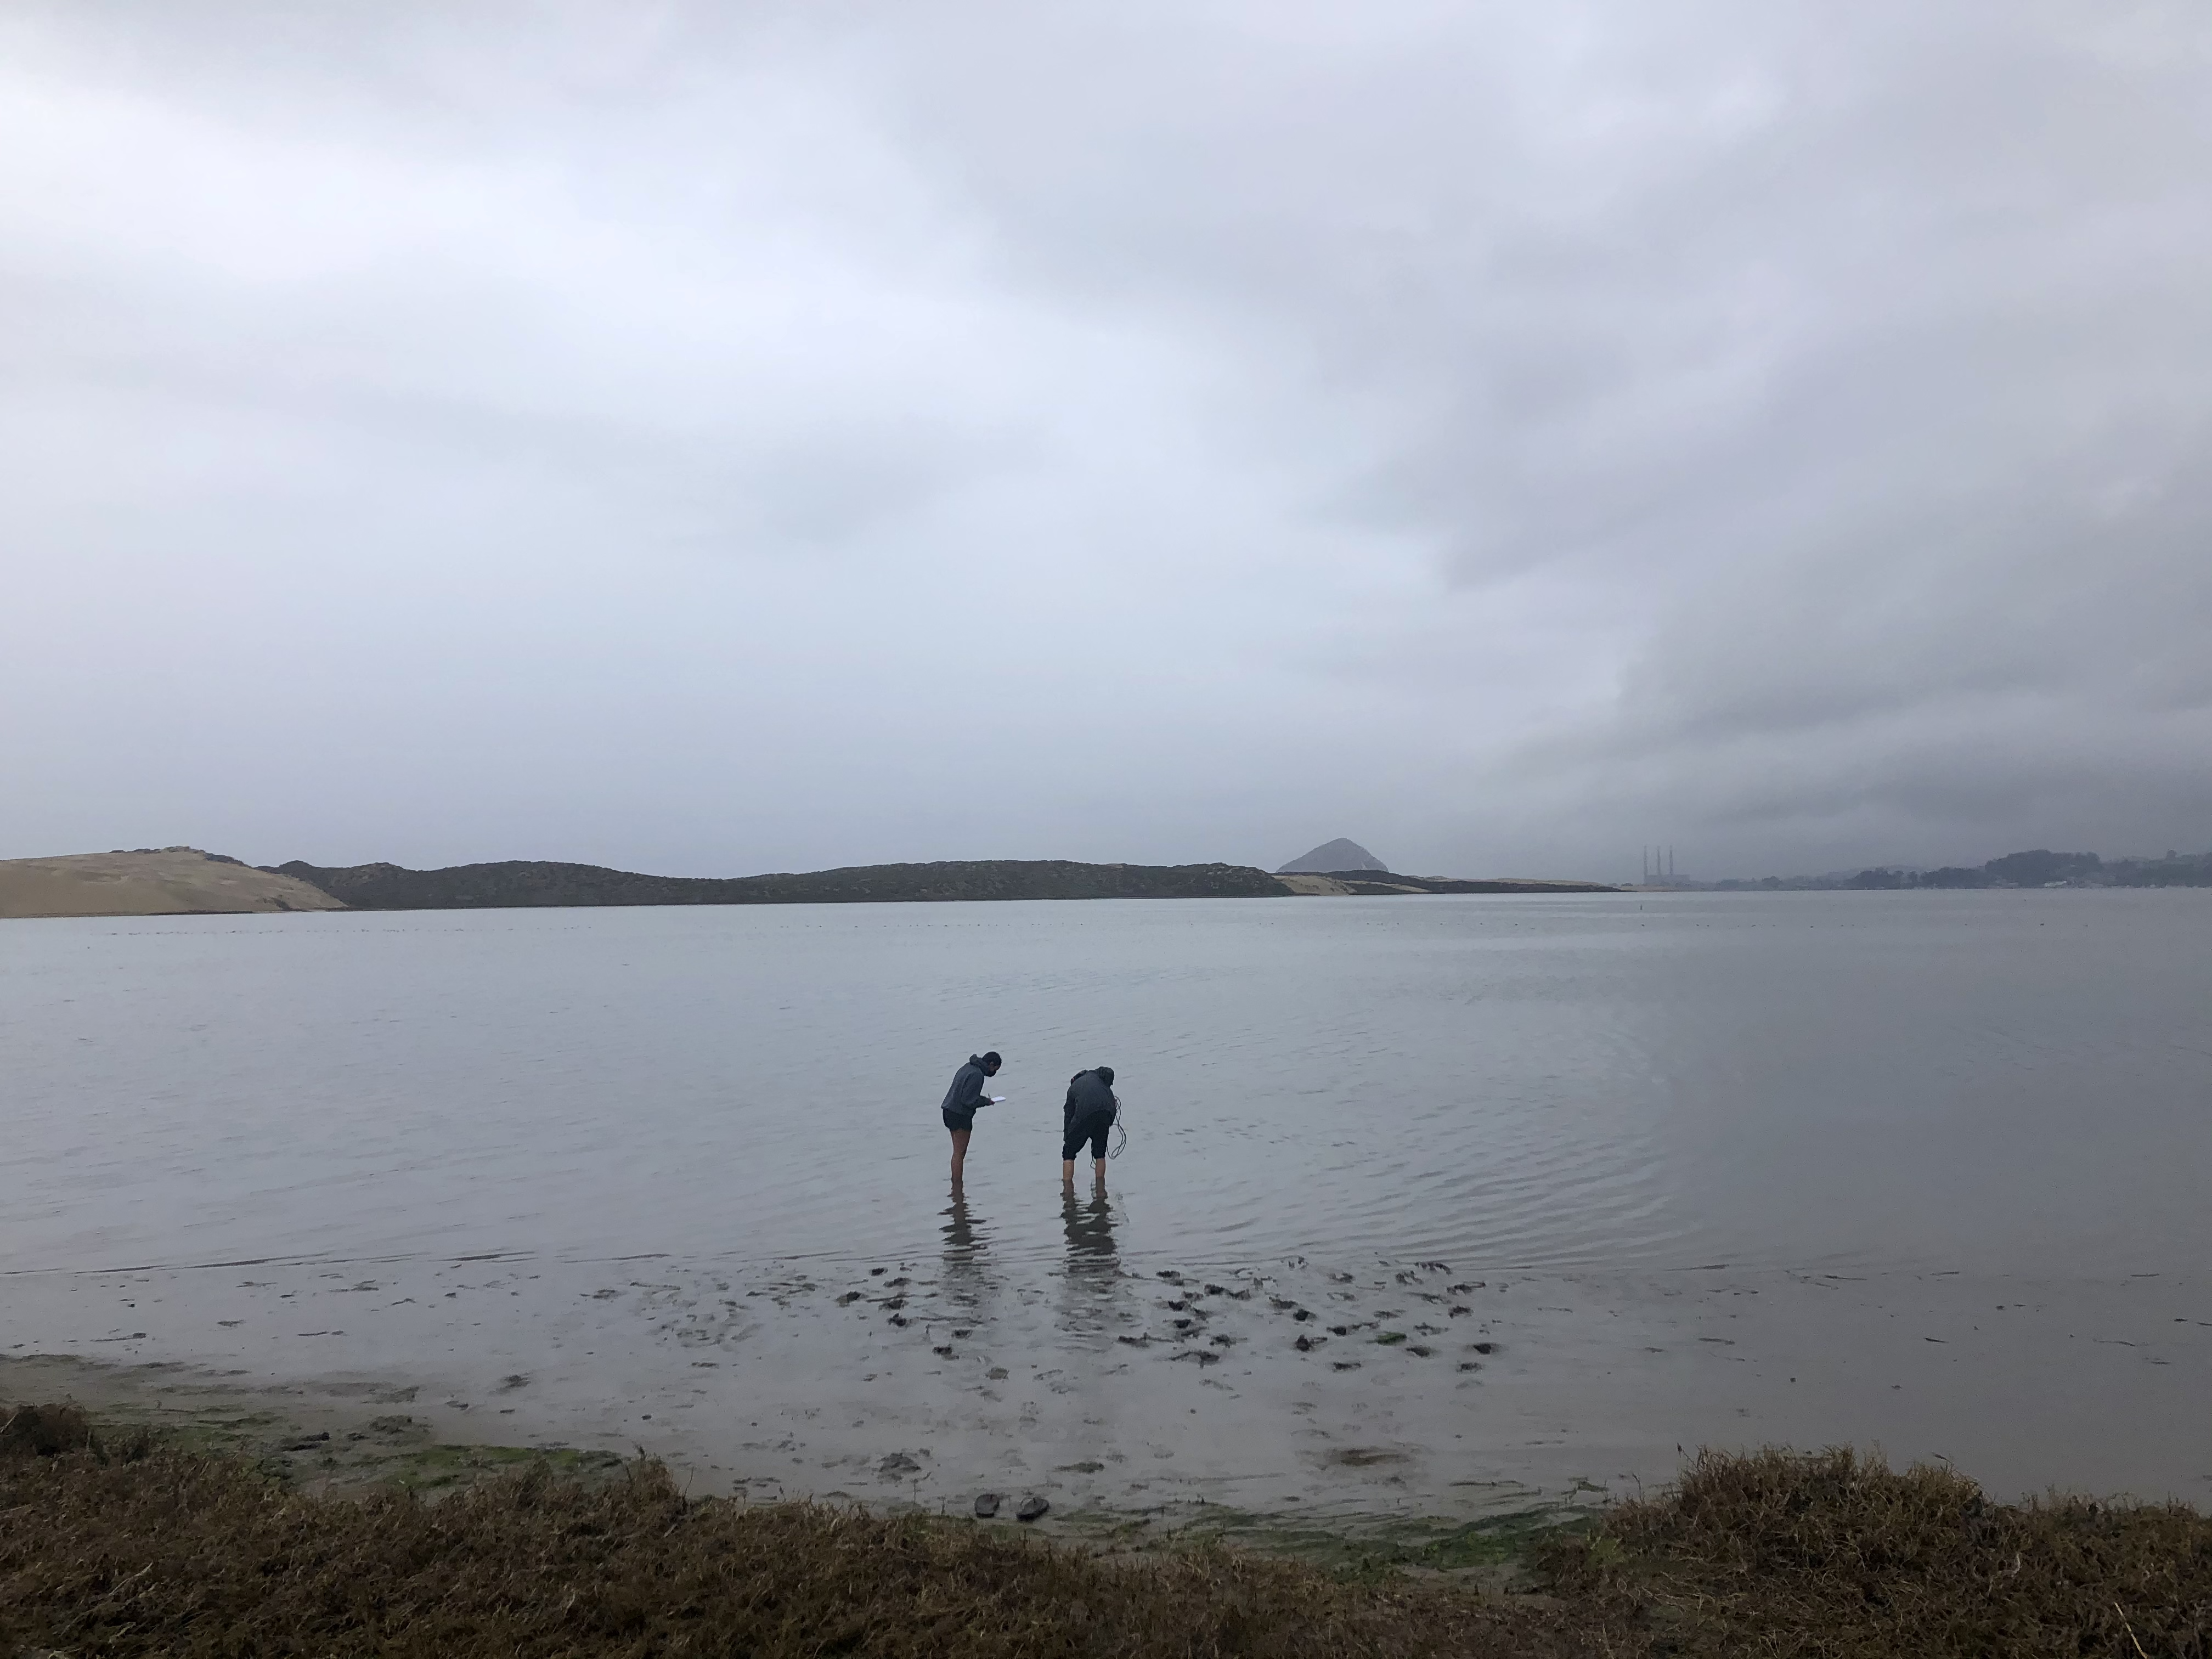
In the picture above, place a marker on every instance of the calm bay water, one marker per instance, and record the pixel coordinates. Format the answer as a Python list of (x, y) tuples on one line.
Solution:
[(1995, 1083)]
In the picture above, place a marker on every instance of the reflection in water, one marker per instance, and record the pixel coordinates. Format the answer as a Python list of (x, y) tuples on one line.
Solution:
[(1093, 1282), (968, 1282)]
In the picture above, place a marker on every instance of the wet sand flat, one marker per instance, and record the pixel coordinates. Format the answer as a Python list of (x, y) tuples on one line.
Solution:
[(1123, 1393)]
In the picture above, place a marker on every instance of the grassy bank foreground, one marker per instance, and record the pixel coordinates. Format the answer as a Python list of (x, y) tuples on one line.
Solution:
[(129, 1545)]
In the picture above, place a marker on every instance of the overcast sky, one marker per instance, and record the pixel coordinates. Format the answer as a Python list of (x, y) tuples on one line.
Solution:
[(708, 439)]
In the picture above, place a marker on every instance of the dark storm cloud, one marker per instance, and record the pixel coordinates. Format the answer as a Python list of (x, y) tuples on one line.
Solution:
[(1506, 435)]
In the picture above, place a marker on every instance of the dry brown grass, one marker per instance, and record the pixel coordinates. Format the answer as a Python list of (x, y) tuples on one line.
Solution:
[(128, 1549), (1836, 1555), (177, 1554)]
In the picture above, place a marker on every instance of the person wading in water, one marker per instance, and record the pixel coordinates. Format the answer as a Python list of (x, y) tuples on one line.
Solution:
[(963, 1100), (1087, 1115)]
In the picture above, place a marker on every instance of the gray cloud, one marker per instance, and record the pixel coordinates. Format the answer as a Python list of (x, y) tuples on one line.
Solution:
[(712, 441)]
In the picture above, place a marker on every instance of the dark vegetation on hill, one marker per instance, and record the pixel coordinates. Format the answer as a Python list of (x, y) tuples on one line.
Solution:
[(517, 884), (132, 1550)]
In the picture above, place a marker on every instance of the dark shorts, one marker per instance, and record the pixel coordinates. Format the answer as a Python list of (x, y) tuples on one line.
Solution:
[(1092, 1129), (957, 1121)]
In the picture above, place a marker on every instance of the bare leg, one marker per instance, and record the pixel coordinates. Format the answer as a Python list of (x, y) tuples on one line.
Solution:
[(1097, 1172), (960, 1152), (1067, 1173)]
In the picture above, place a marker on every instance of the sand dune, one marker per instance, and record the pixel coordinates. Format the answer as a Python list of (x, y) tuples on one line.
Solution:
[(173, 881)]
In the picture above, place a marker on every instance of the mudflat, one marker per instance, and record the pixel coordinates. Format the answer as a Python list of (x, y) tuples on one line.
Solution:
[(168, 881), (1559, 1184)]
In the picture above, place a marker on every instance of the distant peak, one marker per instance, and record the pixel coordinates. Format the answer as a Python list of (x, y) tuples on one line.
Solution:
[(1332, 856)]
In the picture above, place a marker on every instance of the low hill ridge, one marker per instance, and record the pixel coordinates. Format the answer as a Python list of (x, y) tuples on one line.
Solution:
[(1378, 884), (150, 881), (518, 883)]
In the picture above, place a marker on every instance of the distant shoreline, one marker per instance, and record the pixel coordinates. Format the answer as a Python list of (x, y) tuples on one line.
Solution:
[(186, 881)]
